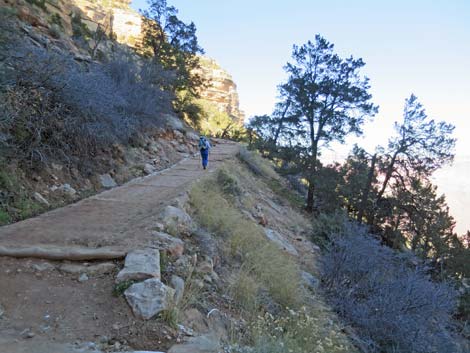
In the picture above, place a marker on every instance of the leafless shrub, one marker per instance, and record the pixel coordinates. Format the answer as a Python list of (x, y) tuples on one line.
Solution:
[(391, 301), (54, 106)]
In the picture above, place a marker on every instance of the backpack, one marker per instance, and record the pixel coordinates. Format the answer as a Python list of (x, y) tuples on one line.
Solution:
[(202, 144)]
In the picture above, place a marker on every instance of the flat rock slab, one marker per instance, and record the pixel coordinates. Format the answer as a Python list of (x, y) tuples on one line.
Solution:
[(140, 265), (149, 298), (98, 269), (280, 241), (200, 344)]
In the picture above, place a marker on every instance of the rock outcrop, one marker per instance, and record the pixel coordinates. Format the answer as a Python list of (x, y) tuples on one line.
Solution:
[(222, 90)]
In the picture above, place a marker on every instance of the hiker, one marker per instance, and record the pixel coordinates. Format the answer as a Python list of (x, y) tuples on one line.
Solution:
[(204, 147)]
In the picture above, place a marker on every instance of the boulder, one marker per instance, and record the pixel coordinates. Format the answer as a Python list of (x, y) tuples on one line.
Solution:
[(172, 245), (280, 241), (200, 344), (175, 220), (140, 265), (148, 298), (107, 181)]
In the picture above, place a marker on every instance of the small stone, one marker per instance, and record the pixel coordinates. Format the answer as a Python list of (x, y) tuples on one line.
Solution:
[(66, 188), (159, 227), (149, 169), (43, 266), (27, 333), (2, 311), (107, 181), (39, 198), (83, 277)]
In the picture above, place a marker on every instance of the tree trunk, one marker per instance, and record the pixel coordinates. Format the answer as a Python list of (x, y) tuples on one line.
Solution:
[(280, 125), (312, 173), (309, 207), (388, 175), (366, 191)]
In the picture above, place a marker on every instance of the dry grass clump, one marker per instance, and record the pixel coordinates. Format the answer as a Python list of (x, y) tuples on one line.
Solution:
[(245, 242), (244, 290)]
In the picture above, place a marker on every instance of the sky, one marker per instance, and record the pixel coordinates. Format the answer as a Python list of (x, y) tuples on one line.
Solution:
[(409, 46)]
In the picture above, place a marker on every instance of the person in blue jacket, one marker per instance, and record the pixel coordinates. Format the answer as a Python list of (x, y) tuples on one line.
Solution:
[(204, 147)]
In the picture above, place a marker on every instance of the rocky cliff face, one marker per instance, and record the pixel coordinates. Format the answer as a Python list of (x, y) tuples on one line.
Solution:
[(118, 19), (222, 90)]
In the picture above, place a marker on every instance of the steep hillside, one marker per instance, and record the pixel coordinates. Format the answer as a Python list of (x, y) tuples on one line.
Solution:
[(117, 20), (81, 112), (225, 265)]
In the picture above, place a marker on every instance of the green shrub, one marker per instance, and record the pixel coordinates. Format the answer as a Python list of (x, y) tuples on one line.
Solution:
[(293, 197), (56, 20), (325, 225), (39, 3), (228, 183), (120, 288), (79, 29), (4, 217)]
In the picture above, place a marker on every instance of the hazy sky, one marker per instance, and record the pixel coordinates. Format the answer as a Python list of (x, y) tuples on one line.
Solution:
[(417, 46)]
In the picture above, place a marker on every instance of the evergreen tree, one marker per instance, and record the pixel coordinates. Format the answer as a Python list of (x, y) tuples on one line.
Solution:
[(329, 98), (172, 44), (421, 145)]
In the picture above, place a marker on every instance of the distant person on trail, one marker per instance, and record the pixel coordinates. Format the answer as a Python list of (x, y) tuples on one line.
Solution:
[(204, 147)]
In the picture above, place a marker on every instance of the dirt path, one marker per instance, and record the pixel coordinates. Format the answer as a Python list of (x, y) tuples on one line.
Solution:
[(45, 309), (119, 218)]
